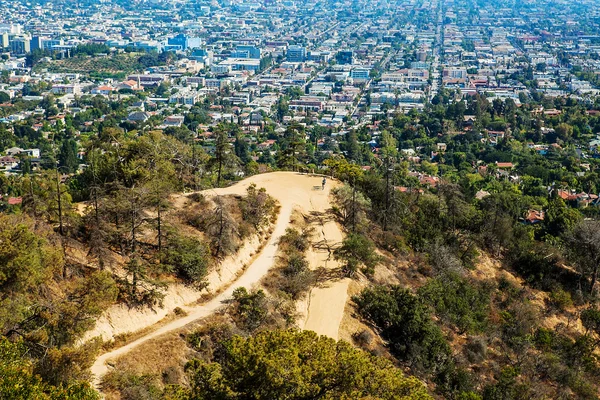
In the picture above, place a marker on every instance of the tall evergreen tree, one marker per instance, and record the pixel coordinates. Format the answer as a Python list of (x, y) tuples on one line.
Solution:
[(68, 156)]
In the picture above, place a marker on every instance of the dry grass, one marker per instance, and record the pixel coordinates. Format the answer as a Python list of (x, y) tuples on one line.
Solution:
[(567, 321), (155, 355), (126, 338), (161, 360)]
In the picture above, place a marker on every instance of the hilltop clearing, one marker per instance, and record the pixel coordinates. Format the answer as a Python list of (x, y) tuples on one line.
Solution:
[(290, 190)]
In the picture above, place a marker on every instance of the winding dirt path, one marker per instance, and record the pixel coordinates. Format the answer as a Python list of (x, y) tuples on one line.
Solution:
[(325, 310)]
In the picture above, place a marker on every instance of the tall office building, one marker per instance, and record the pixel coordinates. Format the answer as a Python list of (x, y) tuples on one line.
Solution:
[(19, 45), (35, 43), (345, 57), (247, 51), (4, 40), (179, 40), (296, 53), (44, 43)]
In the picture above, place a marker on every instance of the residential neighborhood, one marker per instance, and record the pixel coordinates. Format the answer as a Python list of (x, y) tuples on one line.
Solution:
[(284, 199)]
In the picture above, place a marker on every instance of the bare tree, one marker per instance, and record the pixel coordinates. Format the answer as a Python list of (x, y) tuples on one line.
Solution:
[(583, 248), (222, 229), (352, 206)]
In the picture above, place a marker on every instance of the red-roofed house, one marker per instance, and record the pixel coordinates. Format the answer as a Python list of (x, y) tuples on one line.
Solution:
[(505, 165), (552, 113), (9, 162), (131, 85), (566, 195), (429, 180), (266, 144), (13, 201), (104, 90)]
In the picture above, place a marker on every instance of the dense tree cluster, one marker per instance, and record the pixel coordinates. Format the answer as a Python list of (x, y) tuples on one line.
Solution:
[(444, 230), (43, 321), (292, 365)]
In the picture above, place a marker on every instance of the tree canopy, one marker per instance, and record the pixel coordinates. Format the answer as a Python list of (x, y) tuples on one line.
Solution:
[(298, 365)]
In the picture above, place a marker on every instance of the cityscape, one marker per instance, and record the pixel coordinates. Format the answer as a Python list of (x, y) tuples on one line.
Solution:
[(285, 199)]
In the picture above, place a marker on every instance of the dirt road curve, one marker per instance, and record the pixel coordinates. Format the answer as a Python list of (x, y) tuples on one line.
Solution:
[(291, 190)]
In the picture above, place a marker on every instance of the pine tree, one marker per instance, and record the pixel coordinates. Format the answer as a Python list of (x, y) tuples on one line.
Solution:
[(68, 156)]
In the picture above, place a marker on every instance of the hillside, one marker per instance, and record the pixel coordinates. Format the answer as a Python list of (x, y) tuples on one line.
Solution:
[(290, 190), (477, 317), (112, 65)]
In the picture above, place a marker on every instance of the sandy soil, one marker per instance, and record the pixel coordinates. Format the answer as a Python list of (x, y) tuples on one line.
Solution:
[(326, 306), (120, 319), (323, 309)]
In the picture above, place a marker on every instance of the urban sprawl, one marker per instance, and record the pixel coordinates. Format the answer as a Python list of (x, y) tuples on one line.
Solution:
[(332, 69)]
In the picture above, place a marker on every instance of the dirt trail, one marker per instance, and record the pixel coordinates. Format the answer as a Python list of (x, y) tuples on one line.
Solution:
[(323, 308), (327, 303)]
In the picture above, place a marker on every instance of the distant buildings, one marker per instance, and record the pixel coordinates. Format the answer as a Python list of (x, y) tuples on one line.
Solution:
[(103, 90), (319, 56), (307, 104), (201, 55), (138, 116), (184, 42), (455, 73), (43, 43), (146, 80), (35, 43), (147, 45), (245, 51), (185, 97), (345, 57), (296, 53), (180, 40), (360, 74), (236, 64), (19, 45), (67, 89)]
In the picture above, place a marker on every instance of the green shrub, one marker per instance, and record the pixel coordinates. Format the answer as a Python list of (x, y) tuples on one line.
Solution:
[(454, 299), (132, 386), (406, 324), (560, 299), (544, 338), (189, 258), (294, 239), (286, 364), (257, 207), (250, 308), (295, 264), (507, 387), (357, 251)]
